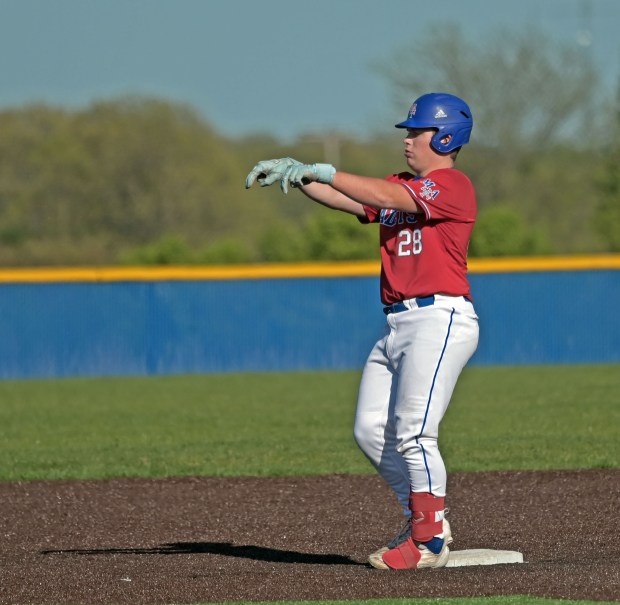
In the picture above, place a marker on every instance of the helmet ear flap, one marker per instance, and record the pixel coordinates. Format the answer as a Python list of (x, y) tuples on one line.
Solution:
[(459, 136), (438, 145)]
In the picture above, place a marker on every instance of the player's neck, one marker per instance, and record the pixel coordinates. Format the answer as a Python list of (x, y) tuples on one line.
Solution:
[(439, 162)]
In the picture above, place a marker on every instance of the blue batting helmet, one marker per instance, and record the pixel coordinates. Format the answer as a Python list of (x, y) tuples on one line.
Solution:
[(444, 112)]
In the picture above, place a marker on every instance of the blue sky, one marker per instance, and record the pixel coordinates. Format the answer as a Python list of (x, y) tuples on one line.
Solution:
[(282, 67)]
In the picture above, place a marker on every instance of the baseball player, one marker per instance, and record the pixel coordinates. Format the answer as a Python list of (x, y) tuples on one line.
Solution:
[(426, 216)]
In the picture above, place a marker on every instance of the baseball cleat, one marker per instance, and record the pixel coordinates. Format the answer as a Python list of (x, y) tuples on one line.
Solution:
[(427, 559), (415, 555)]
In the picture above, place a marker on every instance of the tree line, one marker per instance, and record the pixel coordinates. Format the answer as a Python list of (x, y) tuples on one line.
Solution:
[(138, 180)]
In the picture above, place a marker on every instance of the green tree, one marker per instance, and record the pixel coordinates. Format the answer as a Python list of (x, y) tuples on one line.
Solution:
[(84, 186), (339, 236), (607, 216), (226, 251), (171, 249), (323, 236), (502, 231), (283, 242)]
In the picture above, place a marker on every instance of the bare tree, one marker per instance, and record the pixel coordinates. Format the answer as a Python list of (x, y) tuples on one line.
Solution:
[(524, 88)]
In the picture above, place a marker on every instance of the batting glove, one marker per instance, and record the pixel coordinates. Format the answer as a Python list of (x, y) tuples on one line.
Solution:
[(267, 172), (302, 174)]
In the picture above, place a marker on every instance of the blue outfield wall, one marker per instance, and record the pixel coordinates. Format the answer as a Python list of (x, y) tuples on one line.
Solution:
[(207, 326)]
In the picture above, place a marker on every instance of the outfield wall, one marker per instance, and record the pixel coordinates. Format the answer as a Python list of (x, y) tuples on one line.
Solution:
[(177, 320)]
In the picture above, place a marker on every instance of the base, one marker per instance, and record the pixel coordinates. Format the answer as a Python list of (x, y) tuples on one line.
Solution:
[(482, 556)]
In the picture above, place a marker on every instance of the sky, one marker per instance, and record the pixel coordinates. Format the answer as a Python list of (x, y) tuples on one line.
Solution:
[(281, 67)]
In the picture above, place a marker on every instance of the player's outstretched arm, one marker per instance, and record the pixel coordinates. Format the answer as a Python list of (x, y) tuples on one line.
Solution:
[(373, 192), (369, 191), (267, 172), (329, 197), (331, 188)]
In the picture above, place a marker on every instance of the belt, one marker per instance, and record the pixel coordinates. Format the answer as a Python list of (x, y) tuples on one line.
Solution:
[(422, 301)]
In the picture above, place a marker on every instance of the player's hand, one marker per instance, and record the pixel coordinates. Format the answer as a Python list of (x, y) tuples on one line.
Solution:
[(267, 172), (301, 174)]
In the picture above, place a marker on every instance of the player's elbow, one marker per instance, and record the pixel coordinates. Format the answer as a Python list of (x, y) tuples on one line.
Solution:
[(395, 197), (404, 203)]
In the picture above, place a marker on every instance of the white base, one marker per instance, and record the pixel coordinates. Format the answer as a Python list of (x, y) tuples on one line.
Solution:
[(482, 556)]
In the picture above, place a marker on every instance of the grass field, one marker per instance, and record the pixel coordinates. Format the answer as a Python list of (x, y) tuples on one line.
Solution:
[(545, 417), (555, 417), (511, 600)]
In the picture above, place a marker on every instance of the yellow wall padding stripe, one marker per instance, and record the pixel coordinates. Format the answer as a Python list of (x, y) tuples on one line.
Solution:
[(181, 273), (544, 263), (290, 270)]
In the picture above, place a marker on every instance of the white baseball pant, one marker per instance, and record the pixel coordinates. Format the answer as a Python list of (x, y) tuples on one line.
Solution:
[(405, 389)]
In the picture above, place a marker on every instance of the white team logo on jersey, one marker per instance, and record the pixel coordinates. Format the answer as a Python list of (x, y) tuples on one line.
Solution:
[(427, 191)]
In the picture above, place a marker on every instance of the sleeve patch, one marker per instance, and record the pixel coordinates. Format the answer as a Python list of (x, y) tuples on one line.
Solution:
[(427, 192)]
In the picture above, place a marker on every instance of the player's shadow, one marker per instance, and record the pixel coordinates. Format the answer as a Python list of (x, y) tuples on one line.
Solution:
[(227, 549)]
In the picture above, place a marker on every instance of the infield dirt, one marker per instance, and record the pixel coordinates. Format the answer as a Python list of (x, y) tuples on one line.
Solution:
[(197, 540)]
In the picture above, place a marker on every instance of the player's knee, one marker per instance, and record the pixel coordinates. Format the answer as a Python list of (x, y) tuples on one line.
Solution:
[(411, 432), (363, 431), (360, 434), (414, 445)]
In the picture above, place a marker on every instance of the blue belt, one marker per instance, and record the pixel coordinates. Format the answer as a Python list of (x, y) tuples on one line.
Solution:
[(422, 301)]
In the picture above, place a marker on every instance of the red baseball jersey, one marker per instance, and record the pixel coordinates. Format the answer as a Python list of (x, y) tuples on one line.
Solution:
[(424, 254)]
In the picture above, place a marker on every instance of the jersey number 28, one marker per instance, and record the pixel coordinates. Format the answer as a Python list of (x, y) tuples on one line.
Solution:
[(409, 242)]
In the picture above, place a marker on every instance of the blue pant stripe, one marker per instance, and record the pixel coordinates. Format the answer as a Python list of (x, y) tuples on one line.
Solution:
[(428, 472), (428, 404)]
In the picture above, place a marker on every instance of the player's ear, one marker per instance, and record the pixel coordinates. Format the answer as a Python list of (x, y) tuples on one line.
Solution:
[(445, 140)]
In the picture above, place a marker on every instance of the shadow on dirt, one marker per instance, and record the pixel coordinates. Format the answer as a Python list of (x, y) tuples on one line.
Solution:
[(226, 549)]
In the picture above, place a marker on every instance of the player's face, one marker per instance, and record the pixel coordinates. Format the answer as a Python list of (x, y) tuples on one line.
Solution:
[(420, 156)]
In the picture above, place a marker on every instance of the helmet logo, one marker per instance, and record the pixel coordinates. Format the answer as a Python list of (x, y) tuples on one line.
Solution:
[(441, 113), (412, 110)]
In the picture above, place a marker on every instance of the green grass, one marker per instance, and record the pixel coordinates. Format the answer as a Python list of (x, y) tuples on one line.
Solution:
[(509, 600), (548, 417)]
